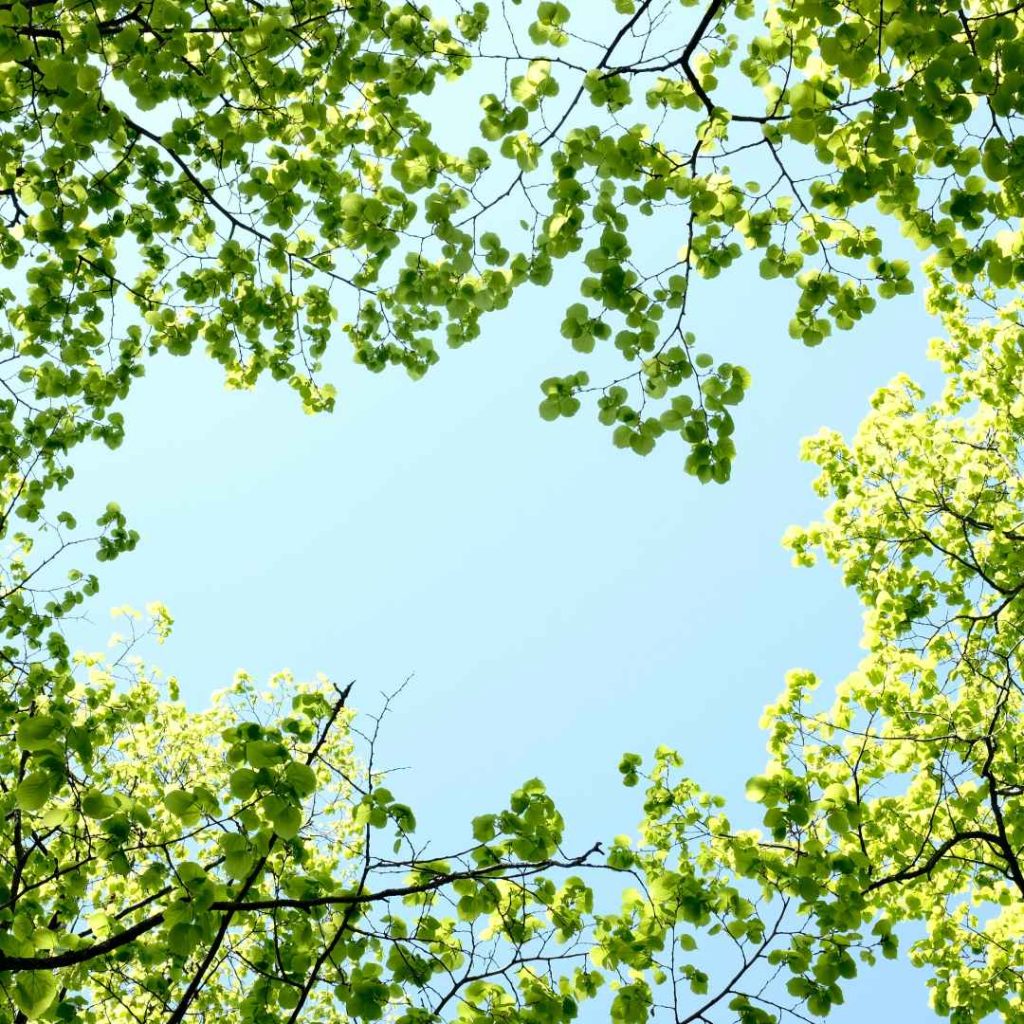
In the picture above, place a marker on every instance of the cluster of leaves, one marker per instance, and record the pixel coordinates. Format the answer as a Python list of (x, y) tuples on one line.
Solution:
[(919, 759), (162, 863), (254, 177), (244, 176)]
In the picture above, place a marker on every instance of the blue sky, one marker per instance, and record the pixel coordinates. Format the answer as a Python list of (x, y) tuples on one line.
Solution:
[(557, 600)]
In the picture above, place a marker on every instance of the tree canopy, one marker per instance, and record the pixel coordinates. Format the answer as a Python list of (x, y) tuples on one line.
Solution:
[(257, 178)]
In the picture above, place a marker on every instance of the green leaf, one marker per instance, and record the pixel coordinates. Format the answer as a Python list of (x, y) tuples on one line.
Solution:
[(238, 863), (757, 788), (265, 753), (301, 777), (242, 783), (38, 733), (96, 804), (285, 818), (34, 790), (184, 939), (181, 804), (550, 409), (484, 829), (33, 992)]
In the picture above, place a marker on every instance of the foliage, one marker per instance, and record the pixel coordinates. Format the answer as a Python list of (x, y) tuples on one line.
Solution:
[(926, 527), (248, 177), (165, 863), (170, 864)]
